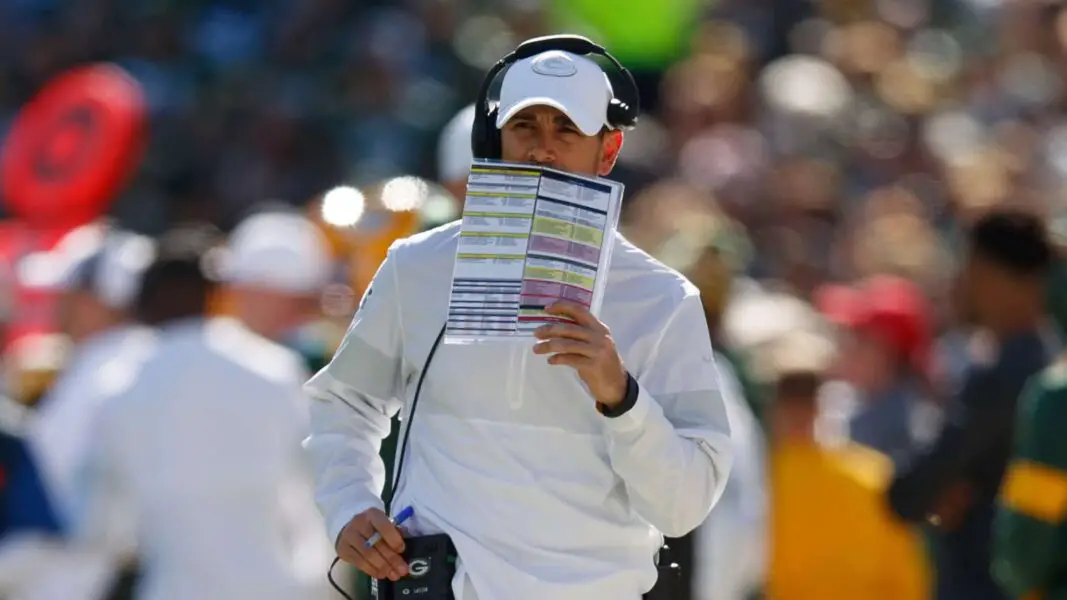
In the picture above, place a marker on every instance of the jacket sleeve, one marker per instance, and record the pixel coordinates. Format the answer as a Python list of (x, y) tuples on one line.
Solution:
[(1033, 500), (672, 448), (352, 401)]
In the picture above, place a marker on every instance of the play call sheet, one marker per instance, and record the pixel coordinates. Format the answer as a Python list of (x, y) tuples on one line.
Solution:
[(530, 236)]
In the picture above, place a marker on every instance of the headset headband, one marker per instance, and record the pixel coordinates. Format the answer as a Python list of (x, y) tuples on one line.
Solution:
[(622, 111)]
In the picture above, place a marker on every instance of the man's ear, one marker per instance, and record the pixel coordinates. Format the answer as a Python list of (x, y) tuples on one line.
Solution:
[(611, 145)]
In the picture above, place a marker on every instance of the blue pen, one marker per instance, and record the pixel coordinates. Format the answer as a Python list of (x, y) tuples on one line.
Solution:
[(397, 520)]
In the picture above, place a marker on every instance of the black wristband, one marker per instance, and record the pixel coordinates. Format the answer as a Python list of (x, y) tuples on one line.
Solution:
[(628, 400)]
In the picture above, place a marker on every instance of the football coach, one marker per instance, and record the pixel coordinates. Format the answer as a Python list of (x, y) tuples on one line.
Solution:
[(555, 467)]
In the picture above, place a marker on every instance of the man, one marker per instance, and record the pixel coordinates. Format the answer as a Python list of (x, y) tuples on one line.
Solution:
[(885, 366), (560, 491), (954, 484), (1032, 517), (729, 554), (1028, 550), (831, 534), (725, 558), (100, 274), (201, 448)]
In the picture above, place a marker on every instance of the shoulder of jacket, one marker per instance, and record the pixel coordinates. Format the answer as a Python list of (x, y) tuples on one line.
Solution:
[(633, 264), (265, 358), (425, 243)]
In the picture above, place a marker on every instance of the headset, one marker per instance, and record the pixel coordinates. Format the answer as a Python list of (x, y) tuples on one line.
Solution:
[(622, 111)]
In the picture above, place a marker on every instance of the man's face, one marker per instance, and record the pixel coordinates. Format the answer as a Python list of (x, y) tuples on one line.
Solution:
[(545, 136), (273, 314), (982, 290)]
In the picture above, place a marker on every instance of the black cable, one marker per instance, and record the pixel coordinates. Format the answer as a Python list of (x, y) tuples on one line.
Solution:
[(403, 447), (329, 577)]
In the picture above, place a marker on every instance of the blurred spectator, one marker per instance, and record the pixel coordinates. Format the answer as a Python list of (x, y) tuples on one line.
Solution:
[(831, 535), (454, 153), (954, 484), (730, 549), (100, 278), (176, 477), (275, 268), (885, 361)]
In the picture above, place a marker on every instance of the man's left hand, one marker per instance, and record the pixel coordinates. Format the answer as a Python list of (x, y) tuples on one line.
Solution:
[(585, 345)]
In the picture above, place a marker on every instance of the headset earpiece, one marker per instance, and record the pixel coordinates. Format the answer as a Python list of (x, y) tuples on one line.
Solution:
[(620, 115), (493, 147)]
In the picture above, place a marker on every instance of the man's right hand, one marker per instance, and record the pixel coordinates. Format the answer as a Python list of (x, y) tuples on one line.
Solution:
[(384, 560)]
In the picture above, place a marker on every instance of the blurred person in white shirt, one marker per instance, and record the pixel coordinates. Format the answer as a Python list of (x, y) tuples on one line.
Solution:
[(99, 272), (201, 450), (730, 547), (274, 270)]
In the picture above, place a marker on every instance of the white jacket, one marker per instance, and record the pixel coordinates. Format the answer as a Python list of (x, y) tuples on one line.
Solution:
[(543, 496), (200, 453), (58, 436)]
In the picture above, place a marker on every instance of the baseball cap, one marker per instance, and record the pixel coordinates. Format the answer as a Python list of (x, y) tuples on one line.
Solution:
[(108, 263), (283, 252), (572, 84), (892, 307), (454, 147)]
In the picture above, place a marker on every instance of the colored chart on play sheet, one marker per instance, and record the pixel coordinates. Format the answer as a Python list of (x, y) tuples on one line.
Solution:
[(530, 236)]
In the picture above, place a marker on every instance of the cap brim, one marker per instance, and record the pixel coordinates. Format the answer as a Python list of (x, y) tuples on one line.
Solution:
[(588, 124)]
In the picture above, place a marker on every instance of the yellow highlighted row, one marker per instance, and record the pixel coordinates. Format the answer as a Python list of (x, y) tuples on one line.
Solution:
[(549, 274), (504, 172), (515, 257), (570, 231)]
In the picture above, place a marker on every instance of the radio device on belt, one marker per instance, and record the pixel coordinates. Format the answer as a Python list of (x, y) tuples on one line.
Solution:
[(432, 558)]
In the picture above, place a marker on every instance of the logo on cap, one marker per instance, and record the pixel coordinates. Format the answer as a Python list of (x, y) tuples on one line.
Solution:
[(554, 65)]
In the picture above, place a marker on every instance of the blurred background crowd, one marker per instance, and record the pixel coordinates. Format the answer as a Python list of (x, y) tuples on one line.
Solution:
[(839, 177)]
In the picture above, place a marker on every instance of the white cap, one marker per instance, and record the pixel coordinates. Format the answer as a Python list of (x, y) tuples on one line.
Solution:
[(572, 84), (282, 252), (454, 147), (109, 265)]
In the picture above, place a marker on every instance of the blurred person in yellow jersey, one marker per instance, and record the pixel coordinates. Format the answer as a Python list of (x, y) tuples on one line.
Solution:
[(831, 534)]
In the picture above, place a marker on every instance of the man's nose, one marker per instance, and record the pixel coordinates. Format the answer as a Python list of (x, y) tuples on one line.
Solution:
[(542, 153)]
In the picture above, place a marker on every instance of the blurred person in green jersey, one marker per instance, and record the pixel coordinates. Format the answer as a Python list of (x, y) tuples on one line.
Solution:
[(1030, 531)]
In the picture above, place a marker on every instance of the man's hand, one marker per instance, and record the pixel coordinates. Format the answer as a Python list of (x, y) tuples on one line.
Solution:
[(384, 560), (587, 346)]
